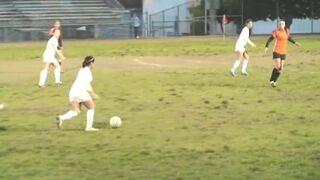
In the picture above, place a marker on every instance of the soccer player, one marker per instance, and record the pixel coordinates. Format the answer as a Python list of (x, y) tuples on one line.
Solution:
[(50, 58), (242, 41), (57, 26), (81, 92), (282, 36)]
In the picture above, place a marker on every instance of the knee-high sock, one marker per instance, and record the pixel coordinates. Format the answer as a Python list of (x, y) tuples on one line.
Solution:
[(273, 74), (245, 65), (236, 65), (43, 77), (90, 117), (57, 74), (277, 75), (68, 115)]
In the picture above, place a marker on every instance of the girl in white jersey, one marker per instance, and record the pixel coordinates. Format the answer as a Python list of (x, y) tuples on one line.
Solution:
[(81, 92), (50, 58), (242, 41)]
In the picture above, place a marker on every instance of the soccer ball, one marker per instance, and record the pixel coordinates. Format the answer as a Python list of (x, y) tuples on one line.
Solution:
[(1, 106), (115, 122)]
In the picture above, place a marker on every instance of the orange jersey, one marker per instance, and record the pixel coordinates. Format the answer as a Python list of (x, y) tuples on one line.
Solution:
[(281, 38)]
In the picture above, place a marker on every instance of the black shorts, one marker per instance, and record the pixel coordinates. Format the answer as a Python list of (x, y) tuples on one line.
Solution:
[(279, 56)]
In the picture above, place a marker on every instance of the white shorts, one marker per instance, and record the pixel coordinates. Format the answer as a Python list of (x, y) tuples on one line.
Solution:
[(240, 49), (79, 97), (49, 59)]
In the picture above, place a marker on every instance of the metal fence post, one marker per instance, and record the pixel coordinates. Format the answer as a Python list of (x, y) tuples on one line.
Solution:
[(146, 24), (205, 17), (178, 21), (312, 15), (163, 21)]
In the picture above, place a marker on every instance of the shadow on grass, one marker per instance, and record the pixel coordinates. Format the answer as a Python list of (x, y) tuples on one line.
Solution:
[(2, 128)]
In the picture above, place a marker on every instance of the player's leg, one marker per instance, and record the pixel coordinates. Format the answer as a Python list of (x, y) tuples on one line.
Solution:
[(57, 72), (275, 71), (236, 63), (245, 63), (75, 110), (90, 115), (59, 59), (44, 74), (136, 32), (280, 69)]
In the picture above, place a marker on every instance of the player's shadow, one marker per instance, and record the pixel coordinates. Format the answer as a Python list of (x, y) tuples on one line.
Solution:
[(2, 128)]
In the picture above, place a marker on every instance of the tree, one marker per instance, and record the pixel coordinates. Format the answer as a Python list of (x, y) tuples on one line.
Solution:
[(272, 9), (197, 24)]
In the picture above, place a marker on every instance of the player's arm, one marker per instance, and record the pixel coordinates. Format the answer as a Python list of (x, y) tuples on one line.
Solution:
[(293, 41), (60, 54), (51, 31), (251, 43), (246, 36), (92, 93), (60, 43), (268, 42)]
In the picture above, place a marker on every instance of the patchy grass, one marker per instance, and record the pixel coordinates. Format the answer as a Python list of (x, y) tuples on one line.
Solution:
[(188, 121)]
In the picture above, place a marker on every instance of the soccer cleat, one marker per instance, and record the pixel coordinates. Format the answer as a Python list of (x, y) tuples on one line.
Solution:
[(273, 84), (59, 122), (59, 83), (91, 129), (232, 72), (245, 73)]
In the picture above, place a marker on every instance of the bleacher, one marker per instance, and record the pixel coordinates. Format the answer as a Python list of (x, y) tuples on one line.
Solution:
[(36, 16)]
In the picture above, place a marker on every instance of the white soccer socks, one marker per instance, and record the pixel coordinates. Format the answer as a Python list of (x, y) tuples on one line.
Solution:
[(70, 114), (57, 75), (43, 77), (244, 66), (44, 74), (236, 65), (90, 117)]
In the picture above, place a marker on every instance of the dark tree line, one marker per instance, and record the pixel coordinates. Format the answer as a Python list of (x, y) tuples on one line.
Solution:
[(272, 9), (265, 9)]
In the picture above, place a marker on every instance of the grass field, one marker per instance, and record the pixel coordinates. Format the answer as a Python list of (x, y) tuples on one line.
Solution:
[(184, 116)]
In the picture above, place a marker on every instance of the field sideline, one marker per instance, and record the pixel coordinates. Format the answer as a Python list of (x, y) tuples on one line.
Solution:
[(184, 116)]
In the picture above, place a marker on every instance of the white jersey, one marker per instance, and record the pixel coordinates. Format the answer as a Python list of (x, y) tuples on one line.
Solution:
[(136, 21), (83, 81), (49, 54), (81, 86), (243, 38)]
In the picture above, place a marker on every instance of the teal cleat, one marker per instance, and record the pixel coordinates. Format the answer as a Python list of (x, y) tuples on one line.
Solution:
[(232, 72), (245, 73)]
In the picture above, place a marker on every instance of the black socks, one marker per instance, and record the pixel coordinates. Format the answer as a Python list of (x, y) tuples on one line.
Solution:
[(275, 75)]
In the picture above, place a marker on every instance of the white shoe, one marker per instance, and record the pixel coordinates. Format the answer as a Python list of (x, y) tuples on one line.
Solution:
[(59, 122), (245, 73), (91, 129), (273, 84), (233, 72), (59, 83), (41, 86)]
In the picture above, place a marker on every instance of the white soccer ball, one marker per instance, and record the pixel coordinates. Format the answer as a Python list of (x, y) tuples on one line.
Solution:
[(115, 122), (1, 106)]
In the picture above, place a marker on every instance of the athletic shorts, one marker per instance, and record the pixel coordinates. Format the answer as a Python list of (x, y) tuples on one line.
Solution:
[(279, 56), (241, 49), (49, 59), (79, 97)]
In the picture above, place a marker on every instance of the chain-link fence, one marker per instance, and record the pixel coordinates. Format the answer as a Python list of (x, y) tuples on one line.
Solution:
[(188, 19), (195, 18)]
